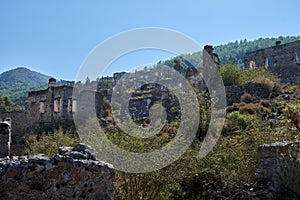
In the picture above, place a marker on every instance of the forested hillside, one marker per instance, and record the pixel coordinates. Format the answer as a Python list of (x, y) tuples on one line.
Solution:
[(7, 105), (17, 82), (234, 52)]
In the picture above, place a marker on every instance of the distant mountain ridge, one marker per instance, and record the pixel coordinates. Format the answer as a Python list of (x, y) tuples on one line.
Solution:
[(18, 82), (21, 74)]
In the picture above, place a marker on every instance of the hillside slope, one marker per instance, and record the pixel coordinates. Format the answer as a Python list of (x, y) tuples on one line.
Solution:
[(234, 52), (18, 82)]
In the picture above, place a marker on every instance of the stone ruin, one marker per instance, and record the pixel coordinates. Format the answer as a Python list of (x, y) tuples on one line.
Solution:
[(272, 168), (5, 138), (284, 59), (256, 90), (210, 50), (74, 173)]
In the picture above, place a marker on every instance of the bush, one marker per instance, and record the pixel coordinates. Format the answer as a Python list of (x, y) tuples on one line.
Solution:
[(291, 172), (205, 113), (49, 143), (252, 74), (265, 103), (290, 88), (231, 75), (292, 111), (225, 173), (238, 122), (255, 109), (247, 98), (265, 82)]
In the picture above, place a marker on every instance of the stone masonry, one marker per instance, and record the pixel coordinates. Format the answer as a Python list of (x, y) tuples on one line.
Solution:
[(51, 107), (19, 123), (256, 90), (5, 139), (271, 165), (74, 173), (283, 59)]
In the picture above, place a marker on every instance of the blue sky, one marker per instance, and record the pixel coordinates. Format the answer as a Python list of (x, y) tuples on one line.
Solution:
[(54, 36)]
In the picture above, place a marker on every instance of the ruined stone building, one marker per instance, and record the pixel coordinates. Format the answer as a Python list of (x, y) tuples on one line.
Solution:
[(5, 138), (283, 59), (210, 50), (55, 106), (52, 107)]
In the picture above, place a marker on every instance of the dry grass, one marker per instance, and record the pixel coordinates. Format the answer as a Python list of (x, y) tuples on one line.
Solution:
[(247, 98), (266, 83)]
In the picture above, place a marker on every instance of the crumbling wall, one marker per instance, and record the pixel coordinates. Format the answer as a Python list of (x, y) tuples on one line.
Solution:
[(256, 90), (41, 107), (5, 138), (72, 174), (18, 123), (272, 161), (281, 59)]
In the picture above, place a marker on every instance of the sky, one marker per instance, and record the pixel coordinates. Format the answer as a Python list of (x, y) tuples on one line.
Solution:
[(54, 37)]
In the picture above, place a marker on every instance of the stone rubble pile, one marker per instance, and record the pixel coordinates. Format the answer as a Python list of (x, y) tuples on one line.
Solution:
[(74, 173)]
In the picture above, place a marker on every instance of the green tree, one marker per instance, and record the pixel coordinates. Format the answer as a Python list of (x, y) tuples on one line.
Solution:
[(231, 74), (7, 105)]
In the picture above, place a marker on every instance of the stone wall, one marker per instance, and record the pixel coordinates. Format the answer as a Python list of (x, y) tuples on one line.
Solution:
[(256, 90), (5, 138), (19, 123), (72, 174), (41, 107), (282, 59), (272, 160)]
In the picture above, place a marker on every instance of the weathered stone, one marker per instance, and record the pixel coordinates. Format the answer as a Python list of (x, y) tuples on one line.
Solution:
[(271, 163), (64, 150), (282, 59), (61, 177), (5, 139), (256, 90), (209, 49)]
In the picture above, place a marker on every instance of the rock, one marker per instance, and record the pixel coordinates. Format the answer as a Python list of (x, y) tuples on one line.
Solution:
[(64, 150), (71, 174), (271, 165), (256, 90)]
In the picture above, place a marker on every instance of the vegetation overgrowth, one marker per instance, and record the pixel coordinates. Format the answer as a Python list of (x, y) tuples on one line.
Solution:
[(228, 171)]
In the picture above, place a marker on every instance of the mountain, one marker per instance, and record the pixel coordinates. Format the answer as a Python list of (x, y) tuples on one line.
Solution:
[(18, 82)]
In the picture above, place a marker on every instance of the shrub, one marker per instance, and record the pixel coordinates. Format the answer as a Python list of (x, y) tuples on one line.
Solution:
[(249, 108), (265, 82), (290, 88), (49, 143), (205, 112), (247, 98), (291, 172), (265, 103), (255, 109), (238, 122), (292, 111), (252, 74), (231, 75), (222, 174)]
